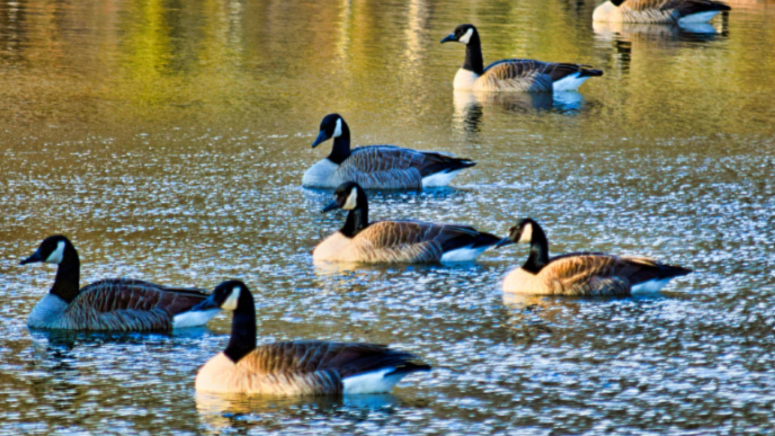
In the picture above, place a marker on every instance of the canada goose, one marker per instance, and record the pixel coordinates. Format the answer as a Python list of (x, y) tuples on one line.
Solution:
[(581, 274), (377, 166), (294, 368), (111, 304), (659, 11), (523, 75), (395, 241)]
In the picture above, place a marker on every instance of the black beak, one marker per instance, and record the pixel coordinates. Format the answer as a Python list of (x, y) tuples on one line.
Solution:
[(321, 138), (504, 242), (449, 38), (208, 304), (36, 257), (331, 206)]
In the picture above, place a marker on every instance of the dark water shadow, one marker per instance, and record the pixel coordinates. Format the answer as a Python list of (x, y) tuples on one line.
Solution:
[(240, 411), (69, 339), (526, 318), (471, 107)]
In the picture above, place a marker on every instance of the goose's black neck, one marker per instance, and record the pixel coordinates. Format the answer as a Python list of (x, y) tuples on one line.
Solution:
[(474, 61), (243, 328), (66, 283), (357, 219), (539, 251), (341, 148)]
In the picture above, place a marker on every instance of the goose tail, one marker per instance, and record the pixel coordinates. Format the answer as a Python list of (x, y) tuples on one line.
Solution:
[(587, 71)]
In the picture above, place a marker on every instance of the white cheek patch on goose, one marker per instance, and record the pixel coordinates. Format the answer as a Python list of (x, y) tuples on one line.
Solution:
[(58, 254), (338, 130), (231, 302), (527, 234), (352, 200), (467, 37)]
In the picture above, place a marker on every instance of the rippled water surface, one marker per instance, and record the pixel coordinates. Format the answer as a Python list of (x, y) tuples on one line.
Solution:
[(168, 140)]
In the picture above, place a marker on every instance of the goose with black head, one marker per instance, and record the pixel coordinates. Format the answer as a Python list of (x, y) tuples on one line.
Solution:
[(581, 274), (516, 75), (295, 368), (377, 166), (361, 241), (110, 304)]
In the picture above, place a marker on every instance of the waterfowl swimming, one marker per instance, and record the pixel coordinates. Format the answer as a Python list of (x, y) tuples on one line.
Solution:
[(294, 368), (395, 241), (377, 166), (659, 11), (523, 75), (111, 304), (581, 274)]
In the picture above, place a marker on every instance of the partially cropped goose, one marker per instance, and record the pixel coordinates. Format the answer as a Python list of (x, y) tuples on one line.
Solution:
[(395, 241), (294, 368), (111, 304), (659, 11), (377, 166), (523, 75), (581, 274)]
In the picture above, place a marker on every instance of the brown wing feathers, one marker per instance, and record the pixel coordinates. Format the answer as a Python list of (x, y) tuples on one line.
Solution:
[(127, 294), (375, 158), (598, 273), (125, 304), (416, 241), (346, 359), (536, 75), (684, 7)]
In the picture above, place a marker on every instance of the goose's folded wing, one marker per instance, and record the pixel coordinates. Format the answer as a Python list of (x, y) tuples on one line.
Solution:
[(579, 268), (386, 234), (346, 359), (386, 158), (376, 158), (683, 7), (531, 75), (126, 294), (689, 7)]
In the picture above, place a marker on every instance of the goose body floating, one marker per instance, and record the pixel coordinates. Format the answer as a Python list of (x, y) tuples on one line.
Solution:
[(111, 304), (377, 166), (659, 11), (581, 274), (521, 75), (297, 368), (395, 241)]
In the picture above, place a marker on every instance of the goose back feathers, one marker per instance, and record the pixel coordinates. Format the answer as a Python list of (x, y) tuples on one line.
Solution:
[(378, 166), (581, 274), (297, 368), (659, 11), (395, 241), (111, 304), (518, 75)]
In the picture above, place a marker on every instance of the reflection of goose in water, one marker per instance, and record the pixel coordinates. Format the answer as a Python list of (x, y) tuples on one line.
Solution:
[(469, 105), (696, 32), (661, 36), (224, 410)]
